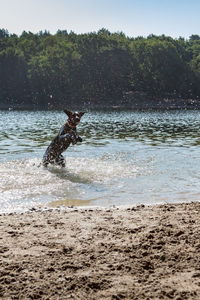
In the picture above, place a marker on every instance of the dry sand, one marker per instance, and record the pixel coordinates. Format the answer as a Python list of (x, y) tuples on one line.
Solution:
[(116, 253)]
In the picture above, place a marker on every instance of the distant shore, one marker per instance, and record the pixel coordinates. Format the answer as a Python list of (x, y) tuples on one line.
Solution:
[(142, 252), (130, 102)]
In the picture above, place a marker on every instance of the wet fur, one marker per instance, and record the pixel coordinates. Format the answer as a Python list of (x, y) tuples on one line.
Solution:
[(67, 135)]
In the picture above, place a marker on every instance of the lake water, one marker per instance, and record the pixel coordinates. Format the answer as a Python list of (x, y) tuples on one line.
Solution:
[(125, 158)]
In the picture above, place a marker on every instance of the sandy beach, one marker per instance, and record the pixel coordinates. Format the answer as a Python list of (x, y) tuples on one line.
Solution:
[(143, 252)]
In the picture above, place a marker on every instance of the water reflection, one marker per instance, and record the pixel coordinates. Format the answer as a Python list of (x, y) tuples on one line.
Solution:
[(69, 202), (125, 158), (28, 131), (147, 127)]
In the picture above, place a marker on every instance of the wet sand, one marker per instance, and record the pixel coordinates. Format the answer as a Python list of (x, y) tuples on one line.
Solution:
[(109, 253)]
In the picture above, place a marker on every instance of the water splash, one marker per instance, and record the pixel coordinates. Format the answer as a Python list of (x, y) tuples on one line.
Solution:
[(125, 158), (23, 184)]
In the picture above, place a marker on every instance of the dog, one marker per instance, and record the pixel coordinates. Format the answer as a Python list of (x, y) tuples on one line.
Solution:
[(66, 135)]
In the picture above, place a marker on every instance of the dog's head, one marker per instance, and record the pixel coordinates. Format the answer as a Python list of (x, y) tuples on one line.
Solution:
[(73, 117)]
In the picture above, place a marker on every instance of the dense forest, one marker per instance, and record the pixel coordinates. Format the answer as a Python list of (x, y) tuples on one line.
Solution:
[(97, 69)]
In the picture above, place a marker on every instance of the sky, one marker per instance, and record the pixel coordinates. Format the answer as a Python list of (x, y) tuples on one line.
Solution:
[(174, 18)]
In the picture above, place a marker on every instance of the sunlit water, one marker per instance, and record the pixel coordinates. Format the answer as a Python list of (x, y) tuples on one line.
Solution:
[(125, 158)]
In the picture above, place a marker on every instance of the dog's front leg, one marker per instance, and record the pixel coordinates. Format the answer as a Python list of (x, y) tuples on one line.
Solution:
[(78, 138), (74, 137)]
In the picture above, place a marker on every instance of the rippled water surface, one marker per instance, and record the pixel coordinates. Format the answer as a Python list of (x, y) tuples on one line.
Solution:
[(125, 158)]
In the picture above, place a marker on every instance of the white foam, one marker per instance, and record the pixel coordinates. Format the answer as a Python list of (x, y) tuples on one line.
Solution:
[(23, 184), (101, 170)]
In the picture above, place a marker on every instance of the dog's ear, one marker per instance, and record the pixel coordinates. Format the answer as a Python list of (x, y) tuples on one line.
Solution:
[(68, 113), (81, 114)]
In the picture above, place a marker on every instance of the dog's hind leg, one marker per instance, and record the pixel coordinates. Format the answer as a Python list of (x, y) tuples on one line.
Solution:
[(44, 164), (45, 161), (60, 161)]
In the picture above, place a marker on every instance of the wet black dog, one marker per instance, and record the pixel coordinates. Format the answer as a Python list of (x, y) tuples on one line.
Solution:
[(63, 139)]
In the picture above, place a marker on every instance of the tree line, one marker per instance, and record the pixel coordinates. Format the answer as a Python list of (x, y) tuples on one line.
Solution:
[(98, 68)]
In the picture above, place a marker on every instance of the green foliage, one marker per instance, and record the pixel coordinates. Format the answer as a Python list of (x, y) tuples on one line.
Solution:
[(159, 66), (43, 70)]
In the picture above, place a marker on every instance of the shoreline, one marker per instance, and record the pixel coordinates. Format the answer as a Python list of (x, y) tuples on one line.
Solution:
[(49, 207), (129, 102), (135, 252)]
